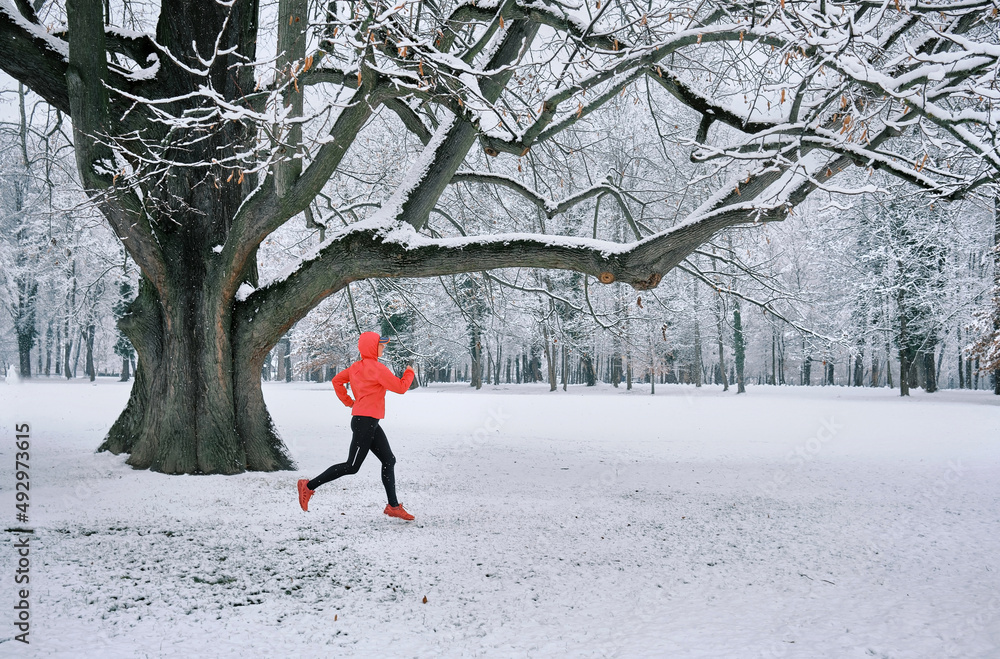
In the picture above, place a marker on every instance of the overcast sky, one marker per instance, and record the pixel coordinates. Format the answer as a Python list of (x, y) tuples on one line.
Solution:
[(8, 98)]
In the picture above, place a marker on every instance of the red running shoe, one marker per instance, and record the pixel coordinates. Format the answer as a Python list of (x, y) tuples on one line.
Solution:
[(397, 511), (305, 493)]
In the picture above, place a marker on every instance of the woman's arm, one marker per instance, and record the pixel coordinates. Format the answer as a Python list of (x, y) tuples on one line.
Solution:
[(392, 383), (339, 380)]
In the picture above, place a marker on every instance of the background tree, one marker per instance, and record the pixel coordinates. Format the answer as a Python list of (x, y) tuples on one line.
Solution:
[(228, 125)]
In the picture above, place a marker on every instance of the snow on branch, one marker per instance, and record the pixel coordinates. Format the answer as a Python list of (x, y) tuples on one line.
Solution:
[(549, 206)]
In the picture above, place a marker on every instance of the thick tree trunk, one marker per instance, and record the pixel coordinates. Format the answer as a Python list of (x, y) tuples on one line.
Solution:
[(262, 447), (194, 418), (196, 404)]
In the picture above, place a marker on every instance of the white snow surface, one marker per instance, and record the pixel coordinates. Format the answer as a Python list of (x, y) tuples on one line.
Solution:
[(787, 522)]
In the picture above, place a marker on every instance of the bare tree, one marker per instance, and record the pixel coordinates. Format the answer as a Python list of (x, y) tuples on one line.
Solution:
[(196, 147)]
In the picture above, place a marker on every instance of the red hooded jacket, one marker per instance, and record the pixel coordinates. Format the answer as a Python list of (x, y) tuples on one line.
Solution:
[(369, 379)]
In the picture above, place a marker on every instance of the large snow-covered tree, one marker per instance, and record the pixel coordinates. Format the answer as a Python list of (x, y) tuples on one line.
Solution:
[(202, 127)]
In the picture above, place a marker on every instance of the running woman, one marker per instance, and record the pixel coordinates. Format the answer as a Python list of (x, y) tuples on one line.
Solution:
[(369, 379)]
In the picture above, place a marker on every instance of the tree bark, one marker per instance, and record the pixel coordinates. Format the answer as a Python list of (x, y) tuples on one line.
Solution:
[(652, 368), (25, 341), (697, 366), (475, 352), (48, 349), (720, 315), (67, 351), (875, 367), (550, 361), (90, 370), (996, 285), (888, 362), (739, 347), (904, 359), (286, 358), (59, 348), (587, 363), (565, 366)]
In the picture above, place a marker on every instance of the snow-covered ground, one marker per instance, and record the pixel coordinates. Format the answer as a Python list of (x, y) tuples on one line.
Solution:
[(791, 522)]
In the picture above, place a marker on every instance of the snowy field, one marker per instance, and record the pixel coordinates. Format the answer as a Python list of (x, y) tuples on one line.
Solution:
[(822, 522)]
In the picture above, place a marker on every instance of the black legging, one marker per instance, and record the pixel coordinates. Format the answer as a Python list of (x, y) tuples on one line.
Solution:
[(367, 436)]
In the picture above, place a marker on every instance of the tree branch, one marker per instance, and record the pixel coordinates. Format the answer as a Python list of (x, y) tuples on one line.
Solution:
[(264, 210), (550, 207), (33, 57), (368, 250), (418, 197), (409, 118)]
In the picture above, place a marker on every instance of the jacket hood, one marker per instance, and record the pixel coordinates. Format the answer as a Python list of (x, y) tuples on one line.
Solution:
[(368, 345)]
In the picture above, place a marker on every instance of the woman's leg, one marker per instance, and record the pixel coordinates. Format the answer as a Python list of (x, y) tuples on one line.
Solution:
[(364, 430), (380, 448)]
